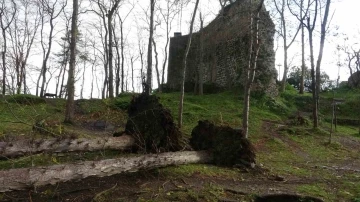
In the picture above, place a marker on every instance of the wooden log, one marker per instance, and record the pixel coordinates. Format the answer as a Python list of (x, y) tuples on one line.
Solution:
[(23, 178), (54, 145)]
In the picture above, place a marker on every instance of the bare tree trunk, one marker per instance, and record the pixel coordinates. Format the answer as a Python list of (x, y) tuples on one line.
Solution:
[(284, 35), (251, 70), (157, 66), (63, 79), (321, 50), (23, 178), (111, 87), (53, 16), (165, 59), (132, 72), (201, 67), (69, 113), (302, 78), (83, 82), (24, 81), (313, 79), (3, 60), (110, 57), (168, 18), (30, 40), (142, 63), (3, 29), (103, 93), (183, 73), (48, 81), (111, 73), (58, 81), (122, 56), (148, 87), (55, 145), (92, 81), (117, 65)]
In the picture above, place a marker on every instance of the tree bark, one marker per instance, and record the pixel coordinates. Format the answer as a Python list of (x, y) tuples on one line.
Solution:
[(286, 45), (148, 86), (322, 43), (313, 79), (132, 60), (157, 65), (23, 178), (53, 16), (70, 108), (251, 70), (117, 63), (3, 29), (201, 67), (302, 78), (183, 75), (3, 55), (122, 55), (54, 145)]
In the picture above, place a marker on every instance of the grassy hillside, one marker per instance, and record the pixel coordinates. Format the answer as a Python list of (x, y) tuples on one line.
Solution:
[(294, 157)]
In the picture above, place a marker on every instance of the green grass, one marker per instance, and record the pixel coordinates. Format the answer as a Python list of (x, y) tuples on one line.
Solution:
[(200, 169), (291, 150), (317, 190)]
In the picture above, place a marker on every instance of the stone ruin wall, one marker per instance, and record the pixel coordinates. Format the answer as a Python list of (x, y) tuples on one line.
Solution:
[(225, 51)]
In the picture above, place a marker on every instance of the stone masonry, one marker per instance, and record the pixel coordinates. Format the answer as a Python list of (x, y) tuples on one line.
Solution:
[(225, 51)]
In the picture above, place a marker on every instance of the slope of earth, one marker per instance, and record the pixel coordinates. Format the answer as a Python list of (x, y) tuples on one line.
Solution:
[(292, 157)]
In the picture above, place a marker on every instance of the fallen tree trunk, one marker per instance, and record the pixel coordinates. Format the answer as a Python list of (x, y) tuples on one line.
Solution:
[(54, 145), (23, 178)]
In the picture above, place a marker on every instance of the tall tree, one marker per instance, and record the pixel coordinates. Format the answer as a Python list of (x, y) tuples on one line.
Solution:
[(63, 56), (120, 68), (324, 27), (284, 33), (310, 28), (303, 12), (303, 66), (168, 15), (183, 73), (22, 34), (48, 8), (103, 31), (315, 70), (148, 86), (111, 73), (69, 113), (6, 18), (157, 64), (249, 72)]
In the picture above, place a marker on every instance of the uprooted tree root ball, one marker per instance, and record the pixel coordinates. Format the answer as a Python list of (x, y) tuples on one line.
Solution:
[(152, 126), (229, 146)]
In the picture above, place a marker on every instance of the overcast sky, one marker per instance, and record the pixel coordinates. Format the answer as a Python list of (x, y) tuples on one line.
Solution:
[(345, 21)]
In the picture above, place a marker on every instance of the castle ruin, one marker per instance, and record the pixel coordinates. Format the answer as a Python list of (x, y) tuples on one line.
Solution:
[(222, 48)]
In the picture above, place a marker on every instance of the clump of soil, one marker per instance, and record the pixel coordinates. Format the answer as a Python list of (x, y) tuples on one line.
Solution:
[(152, 126), (229, 146)]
